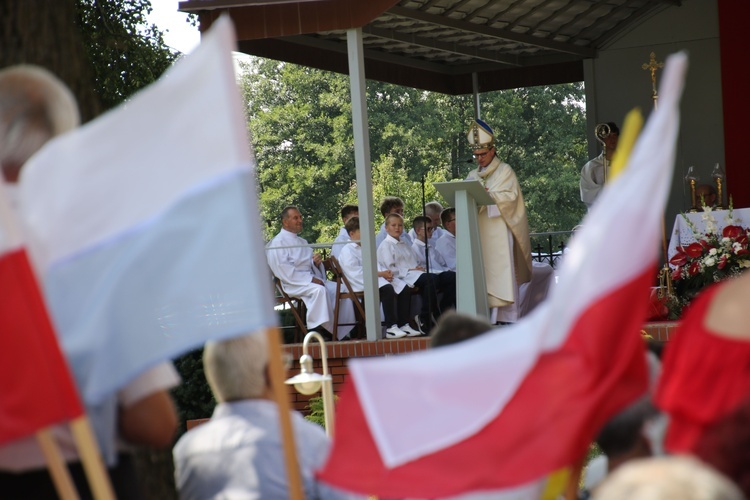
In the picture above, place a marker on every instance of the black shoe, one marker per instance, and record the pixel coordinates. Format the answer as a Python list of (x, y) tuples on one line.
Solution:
[(418, 322)]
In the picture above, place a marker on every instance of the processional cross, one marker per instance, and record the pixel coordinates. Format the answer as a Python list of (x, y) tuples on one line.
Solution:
[(665, 278), (653, 66)]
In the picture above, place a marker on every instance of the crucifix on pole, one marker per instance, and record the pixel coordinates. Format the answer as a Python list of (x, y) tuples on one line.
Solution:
[(653, 66)]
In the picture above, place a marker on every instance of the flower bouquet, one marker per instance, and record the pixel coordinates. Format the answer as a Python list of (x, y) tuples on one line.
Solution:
[(715, 256)]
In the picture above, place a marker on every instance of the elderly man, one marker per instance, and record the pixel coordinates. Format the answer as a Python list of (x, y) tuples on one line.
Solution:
[(36, 106), (432, 210), (593, 173), (503, 227), (239, 452), (302, 275)]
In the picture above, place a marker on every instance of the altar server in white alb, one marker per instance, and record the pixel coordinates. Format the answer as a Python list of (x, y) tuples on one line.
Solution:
[(302, 275), (593, 173), (503, 227)]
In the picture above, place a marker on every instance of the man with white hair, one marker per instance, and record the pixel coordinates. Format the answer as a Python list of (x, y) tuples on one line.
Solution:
[(36, 106), (239, 452)]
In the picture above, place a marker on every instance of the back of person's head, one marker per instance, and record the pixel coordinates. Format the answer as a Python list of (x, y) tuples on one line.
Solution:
[(352, 225), (446, 215), (725, 445), (433, 208), (666, 478), (613, 128), (236, 368), (347, 210), (454, 327), (389, 203), (35, 106), (623, 432)]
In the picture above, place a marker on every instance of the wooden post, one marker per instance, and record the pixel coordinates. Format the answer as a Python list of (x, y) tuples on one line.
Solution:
[(276, 374), (88, 450), (56, 465)]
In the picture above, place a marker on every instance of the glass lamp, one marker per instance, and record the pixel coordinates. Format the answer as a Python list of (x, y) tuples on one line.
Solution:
[(308, 382), (691, 179)]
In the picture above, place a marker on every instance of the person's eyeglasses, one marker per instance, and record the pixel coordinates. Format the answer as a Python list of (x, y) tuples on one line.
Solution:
[(449, 221), (480, 155)]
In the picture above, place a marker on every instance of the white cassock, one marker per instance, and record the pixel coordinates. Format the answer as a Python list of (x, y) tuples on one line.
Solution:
[(295, 269), (446, 245), (340, 242)]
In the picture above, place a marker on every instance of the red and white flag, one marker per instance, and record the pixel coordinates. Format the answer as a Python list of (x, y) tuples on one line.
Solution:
[(511, 406), (37, 387)]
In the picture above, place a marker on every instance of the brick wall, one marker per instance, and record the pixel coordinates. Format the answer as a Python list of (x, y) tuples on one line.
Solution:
[(338, 355), (340, 352)]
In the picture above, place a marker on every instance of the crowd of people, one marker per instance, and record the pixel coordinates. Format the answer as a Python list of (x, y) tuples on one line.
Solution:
[(688, 437), (422, 260)]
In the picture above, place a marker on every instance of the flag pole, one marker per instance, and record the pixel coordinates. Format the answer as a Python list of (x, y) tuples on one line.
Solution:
[(91, 459), (571, 489), (276, 375), (56, 465)]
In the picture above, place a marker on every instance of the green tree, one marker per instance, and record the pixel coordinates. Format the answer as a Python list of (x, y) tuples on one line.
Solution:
[(125, 52), (300, 121)]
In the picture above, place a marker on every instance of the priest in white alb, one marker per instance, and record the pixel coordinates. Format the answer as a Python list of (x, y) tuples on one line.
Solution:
[(302, 275)]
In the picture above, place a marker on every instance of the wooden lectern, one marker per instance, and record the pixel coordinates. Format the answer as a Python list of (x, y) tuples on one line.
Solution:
[(471, 287)]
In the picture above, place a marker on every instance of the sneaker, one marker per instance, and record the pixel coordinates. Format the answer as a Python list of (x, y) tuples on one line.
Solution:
[(418, 322), (410, 332), (394, 332)]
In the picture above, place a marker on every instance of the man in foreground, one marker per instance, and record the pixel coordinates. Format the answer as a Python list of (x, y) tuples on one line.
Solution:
[(239, 452)]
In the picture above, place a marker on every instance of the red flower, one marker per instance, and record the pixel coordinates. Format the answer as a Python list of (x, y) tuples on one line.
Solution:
[(706, 244), (743, 251), (679, 259), (694, 268), (694, 250), (733, 232), (677, 274), (722, 262)]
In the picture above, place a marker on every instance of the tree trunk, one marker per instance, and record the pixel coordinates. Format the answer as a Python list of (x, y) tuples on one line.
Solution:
[(45, 33)]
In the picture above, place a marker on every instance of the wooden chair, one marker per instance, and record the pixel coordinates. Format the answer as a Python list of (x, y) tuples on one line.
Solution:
[(296, 306), (343, 291)]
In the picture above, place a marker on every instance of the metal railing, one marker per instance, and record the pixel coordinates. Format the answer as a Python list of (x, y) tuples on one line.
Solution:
[(549, 247)]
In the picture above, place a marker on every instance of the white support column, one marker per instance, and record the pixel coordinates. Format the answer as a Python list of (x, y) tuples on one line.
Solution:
[(364, 180), (475, 92)]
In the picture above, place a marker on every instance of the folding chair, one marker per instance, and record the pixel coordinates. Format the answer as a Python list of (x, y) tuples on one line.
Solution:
[(297, 306), (343, 291)]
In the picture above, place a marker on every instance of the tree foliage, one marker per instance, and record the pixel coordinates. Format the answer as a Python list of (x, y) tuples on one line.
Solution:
[(300, 122), (125, 51)]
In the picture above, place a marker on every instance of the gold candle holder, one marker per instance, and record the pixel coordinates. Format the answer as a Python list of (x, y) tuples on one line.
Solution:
[(718, 176), (692, 181)]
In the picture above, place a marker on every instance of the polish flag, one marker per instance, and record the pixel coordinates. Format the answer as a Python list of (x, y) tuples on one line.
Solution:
[(505, 409), (37, 388)]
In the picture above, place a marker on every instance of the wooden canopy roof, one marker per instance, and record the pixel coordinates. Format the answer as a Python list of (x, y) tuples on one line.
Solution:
[(435, 45)]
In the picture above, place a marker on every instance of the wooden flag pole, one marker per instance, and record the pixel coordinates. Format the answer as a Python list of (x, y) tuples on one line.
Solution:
[(276, 374), (56, 465), (571, 489), (88, 450)]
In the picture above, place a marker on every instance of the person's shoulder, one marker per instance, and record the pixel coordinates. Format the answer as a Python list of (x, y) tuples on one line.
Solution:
[(310, 434)]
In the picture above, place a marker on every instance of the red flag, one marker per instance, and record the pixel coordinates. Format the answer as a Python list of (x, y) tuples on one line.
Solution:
[(513, 405), (37, 388)]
